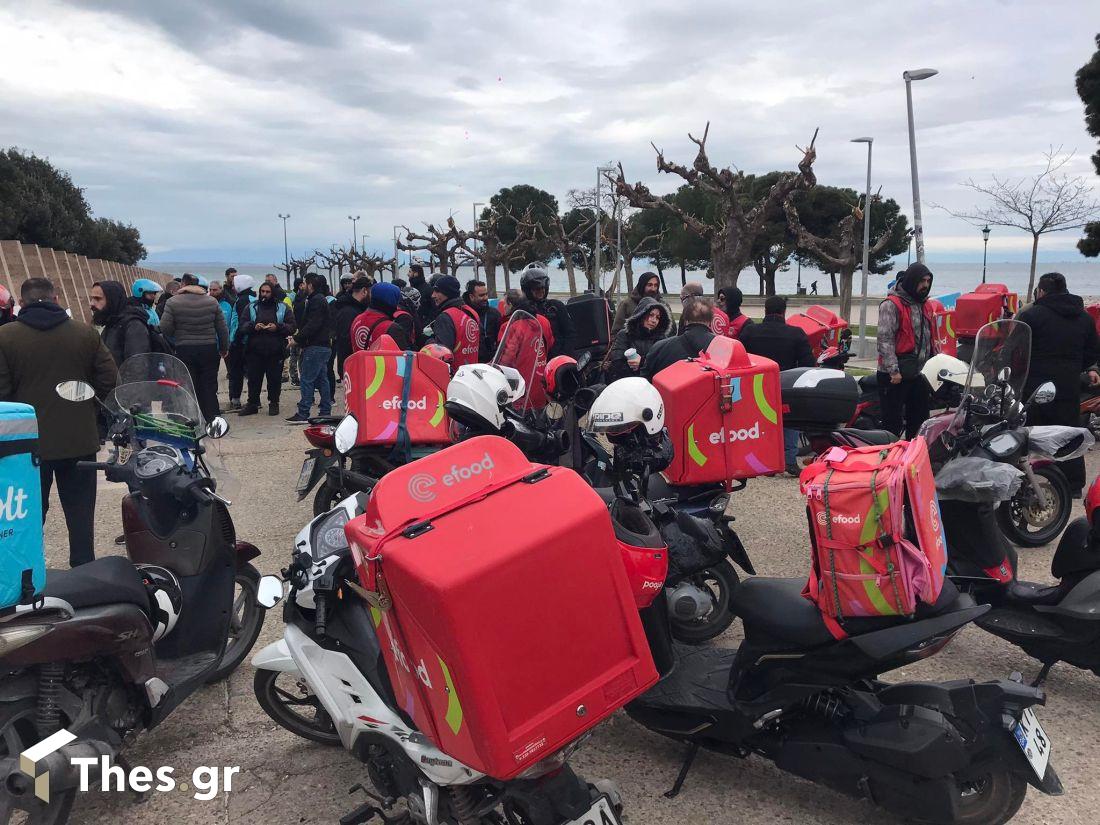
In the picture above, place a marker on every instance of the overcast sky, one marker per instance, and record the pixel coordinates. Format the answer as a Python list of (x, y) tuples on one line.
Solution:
[(200, 121)]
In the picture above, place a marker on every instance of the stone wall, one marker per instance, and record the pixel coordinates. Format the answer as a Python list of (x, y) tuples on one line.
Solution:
[(72, 275)]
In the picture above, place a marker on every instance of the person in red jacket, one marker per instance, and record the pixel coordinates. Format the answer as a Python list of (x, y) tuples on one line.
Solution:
[(525, 343), (382, 317), (906, 339), (736, 320), (456, 326)]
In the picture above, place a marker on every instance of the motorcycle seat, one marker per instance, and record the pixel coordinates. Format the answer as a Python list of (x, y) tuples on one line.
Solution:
[(868, 383), (776, 614), (107, 580), (1028, 593), (876, 437)]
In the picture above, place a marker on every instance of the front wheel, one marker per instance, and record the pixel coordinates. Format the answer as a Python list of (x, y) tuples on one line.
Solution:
[(17, 733), (1025, 521), (716, 582), (288, 699), (990, 797), (245, 623), (326, 498)]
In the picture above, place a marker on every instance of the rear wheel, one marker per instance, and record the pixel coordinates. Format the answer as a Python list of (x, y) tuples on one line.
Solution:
[(245, 622), (288, 699), (990, 798), (17, 733), (1028, 523), (718, 581)]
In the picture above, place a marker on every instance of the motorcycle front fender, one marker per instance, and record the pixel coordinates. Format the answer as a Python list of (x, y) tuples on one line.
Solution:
[(276, 656), (246, 552)]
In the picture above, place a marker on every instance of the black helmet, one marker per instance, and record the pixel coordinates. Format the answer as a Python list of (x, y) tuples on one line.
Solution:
[(535, 275)]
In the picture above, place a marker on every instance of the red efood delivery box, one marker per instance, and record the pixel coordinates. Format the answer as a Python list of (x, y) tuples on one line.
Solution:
[(509, 632), (821, 325), (375, 384), (724, 414)]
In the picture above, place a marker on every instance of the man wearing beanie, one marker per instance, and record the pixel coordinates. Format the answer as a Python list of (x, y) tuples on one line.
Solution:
[(457, 326), (905, 342), (381, 318)]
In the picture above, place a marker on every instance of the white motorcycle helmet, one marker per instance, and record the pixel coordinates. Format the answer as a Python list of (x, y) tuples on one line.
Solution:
[(944, 368), (478, 393), (626, 404), (165, 598)]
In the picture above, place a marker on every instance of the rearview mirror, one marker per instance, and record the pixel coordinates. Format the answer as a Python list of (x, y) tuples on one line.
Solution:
[(75, 391), (217, 427), (347, 431), (1005, 374), (1044, 393), (269, 592)]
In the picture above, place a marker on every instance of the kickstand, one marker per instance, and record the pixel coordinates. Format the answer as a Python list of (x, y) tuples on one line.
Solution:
[(689, 760), (1043, 673)]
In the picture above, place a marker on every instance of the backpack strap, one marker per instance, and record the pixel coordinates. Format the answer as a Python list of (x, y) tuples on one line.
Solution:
[(402, 447)]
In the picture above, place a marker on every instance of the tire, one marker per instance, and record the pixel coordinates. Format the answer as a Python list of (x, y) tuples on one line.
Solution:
[(277, 700), (721, 579), (325, 498), (989, 798), (1024, 524), (17, 733), (245, 624)]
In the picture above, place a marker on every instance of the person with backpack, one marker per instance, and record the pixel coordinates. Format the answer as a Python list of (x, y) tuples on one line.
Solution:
[(265, 327), (456, 326), (245, 295), (125, 325), (648, 325), (381, 317), (194, 321), (145, 291), (346, 308)]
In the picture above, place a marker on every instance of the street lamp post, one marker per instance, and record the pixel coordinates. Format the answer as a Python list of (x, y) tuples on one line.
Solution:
[(866, 250), (596, 267), (918, 227), (985, 249), (354, 221), (476, 205), (286, 254), (396, 266)]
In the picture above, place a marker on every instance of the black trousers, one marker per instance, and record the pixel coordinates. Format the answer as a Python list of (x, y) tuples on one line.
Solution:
[(1067, 412), (904, 405), (332, 374), (259, 365), (235, 366), (202, 362), (76, 489)]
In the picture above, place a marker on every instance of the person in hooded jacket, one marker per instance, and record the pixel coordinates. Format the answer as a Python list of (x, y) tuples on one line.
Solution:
[(457, 325), (383, 316), (735, 320), (906, 339), (648, 325), (418, 282), (244, 286), (345, 309), (1064, 345), (697, 317), (264, 329), (125, 323), (535, 283), (170, 289), (648, 285)]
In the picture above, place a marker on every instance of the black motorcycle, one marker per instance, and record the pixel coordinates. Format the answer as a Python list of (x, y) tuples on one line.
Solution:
[(114, 646), (949, 752)]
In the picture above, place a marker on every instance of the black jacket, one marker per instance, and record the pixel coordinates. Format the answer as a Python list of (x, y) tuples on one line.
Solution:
[(694, 339), (266, 342), (126, 331), (345, 309), (774, 338), (427, 305), (561, 324), (1063, 343), (489, 323), (315, 329), (634, 335)]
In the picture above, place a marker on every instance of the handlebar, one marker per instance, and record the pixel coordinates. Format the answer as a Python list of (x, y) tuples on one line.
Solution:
[(94, 465)]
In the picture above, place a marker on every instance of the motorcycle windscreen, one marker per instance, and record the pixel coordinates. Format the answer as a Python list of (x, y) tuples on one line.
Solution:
[(524, 348), (999, 365)]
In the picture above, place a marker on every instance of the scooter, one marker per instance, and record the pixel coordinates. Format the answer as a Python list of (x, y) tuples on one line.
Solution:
[(947, 752), (114, 646), (326, 681)]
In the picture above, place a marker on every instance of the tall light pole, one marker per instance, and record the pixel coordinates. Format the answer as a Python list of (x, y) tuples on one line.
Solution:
[(918, 227), (985, 249), (354, 221), (599, 178), (396, 265), (476, 205), (286, 254), (866, 250)]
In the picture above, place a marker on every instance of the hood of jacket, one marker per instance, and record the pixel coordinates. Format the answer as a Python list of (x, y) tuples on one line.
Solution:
[(116, 296), (193, 289), (1065, 304), (640, 283), (634, 322), (345, 300), (42, 315), (906, 285)]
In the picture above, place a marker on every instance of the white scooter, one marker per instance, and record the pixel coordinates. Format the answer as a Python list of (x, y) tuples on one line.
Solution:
[(326, 680)]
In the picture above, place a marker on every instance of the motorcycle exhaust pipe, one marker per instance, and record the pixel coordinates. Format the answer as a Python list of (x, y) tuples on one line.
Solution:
[(54, 773)]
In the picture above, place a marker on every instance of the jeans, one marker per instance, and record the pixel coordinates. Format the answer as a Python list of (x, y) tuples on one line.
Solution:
[(76, 489), (314, 375), (790, 446), (202, 362)]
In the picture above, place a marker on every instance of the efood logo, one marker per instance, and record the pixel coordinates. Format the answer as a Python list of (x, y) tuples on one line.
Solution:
[(420, 487), (838, 518), (421, 484), (29, 759)]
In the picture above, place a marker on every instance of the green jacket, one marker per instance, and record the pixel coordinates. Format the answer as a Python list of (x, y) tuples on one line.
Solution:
[(39, 350)]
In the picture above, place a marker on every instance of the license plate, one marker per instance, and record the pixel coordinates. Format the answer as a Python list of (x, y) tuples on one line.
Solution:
[(1033, 742), (305, 475), (601, 813)]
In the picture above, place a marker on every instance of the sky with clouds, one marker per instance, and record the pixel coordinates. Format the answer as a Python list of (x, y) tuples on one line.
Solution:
[(200, 121)]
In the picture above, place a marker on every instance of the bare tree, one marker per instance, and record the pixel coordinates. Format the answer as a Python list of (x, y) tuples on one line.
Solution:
[(1049, 202), (440, 244), (484, 245), (569, 244), (737, 223)]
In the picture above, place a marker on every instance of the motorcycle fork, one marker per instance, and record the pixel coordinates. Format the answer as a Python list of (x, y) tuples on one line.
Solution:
[(1035, 486)]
